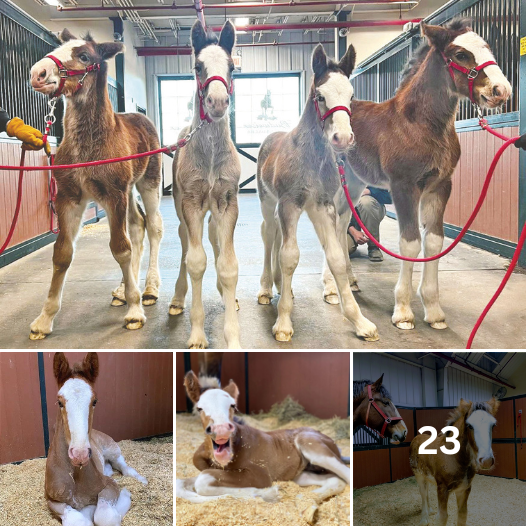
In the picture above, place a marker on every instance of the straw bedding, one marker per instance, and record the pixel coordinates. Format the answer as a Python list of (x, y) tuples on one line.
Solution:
[(22, 499), (493, 502), (255, 512)]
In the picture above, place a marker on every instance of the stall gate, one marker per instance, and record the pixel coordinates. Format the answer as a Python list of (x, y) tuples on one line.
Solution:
[(380, 462), (501, 218)]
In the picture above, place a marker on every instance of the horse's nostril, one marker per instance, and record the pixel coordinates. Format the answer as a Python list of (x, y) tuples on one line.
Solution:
[(208, 430), (227, 101), (209, 100), (335, 138), (89, 452), (42, 74), (497, 91)]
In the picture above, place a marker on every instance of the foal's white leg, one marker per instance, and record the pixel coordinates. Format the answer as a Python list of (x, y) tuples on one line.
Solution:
[(423, 487), (110, 513), (70, 216), (185, 489), (70, 516), (120, 464), (269, 228), (204, 486), (289, 215), (324, 221), (177, 304), (154, 226)]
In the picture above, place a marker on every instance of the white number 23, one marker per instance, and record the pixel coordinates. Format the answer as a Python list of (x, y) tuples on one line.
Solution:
[(422, 449)]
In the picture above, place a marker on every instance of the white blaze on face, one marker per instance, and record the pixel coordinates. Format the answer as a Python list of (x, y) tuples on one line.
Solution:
[(215, 404), (478, 47), (482, 423), (77, 393), (216, 64), (337, 91)]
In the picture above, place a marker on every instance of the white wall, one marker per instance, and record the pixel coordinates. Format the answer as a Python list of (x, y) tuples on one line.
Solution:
[(460, 384), (134, 72)]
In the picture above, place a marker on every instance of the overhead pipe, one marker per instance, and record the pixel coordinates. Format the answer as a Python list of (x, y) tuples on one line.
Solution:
[(323, 25), (472, 369), (155, 51), (230, 5)]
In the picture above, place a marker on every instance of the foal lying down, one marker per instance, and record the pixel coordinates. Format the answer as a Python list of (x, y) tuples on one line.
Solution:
[(241, 461)]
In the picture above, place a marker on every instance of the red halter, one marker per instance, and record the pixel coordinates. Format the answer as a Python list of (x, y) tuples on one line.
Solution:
[(328, 113), (201, 93), (66, 73), (472, 73), (387, 420)]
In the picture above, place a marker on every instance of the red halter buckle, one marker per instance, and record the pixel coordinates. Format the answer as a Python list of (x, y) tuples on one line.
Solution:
[(471, 74), (328, 113), (387, 420), (65, 73), (201, 93)]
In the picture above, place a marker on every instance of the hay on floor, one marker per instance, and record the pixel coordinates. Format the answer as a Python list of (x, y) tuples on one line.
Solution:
[(22, 501), (493, 502), (251, 512)]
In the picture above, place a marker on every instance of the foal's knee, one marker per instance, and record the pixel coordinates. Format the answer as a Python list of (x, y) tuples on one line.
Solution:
[(203, 484), (106, 514), (227, 270), (289, 258), (196, 262), (62, 257), (121, 250)]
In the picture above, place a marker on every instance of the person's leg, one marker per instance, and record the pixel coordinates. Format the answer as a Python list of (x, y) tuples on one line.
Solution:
[(372, 213)]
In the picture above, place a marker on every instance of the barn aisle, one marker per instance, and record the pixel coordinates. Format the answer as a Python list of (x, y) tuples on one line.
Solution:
[(468, 278)]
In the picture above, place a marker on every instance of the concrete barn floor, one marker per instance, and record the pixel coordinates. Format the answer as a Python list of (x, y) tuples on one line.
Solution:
[(468, 279)]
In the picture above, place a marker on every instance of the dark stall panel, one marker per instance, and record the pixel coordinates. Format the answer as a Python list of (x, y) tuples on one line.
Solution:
[(505, 422), (521, 460), (432, 417), (318, 380), (134, 391), (400, 463), (370, 468), (21, 434), (180, 394), (504, 461), (520, 404)]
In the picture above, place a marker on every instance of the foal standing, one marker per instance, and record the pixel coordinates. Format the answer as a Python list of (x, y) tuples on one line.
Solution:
[(297, 171), (206, 177), (93, 131)]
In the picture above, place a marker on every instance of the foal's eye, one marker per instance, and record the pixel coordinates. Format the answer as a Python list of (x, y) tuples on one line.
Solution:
[(461, 56), (320, 98), (83, 57), (94, 403), (199, 409), (60, 404), (469, 426), (197, 68)]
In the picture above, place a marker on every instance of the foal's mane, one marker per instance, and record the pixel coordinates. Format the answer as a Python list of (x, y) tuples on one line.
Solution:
[(460, 412), (359, 386), (458, 24)]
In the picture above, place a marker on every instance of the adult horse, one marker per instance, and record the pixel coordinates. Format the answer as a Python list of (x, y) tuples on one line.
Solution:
[(206, 175), (475, 422), (78, 487), (92, 130), (297, 171), (373, 407), (409, 145), (242, 461)]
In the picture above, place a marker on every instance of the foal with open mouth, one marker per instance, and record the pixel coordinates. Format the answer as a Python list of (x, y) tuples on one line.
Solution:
[(241, 461)]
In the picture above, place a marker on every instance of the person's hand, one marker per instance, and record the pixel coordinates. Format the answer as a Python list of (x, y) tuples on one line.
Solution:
[(358, 236), (30, 137), (366, 191), (521, 143)]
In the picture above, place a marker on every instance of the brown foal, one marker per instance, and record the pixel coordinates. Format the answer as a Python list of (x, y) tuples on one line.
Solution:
[(241, 461), (409, 145), (79, 488), (454, 473), (93, 131)]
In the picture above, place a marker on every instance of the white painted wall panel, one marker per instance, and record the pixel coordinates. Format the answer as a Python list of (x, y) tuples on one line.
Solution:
[(464, 385)]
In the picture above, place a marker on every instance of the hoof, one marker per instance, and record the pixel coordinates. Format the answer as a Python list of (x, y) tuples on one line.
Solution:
[(405, 325), (149, 299), (355, 287), (332, 299), (440, 325), (175, 311), (199, 343), (37, 335), (133, 324), (117, 302), (237, 305), (264, 299), (282, 336), (373, 338), (309, 513)]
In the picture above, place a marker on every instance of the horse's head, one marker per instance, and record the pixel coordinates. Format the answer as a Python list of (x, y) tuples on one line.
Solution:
[(479, 421), (75, 55), (332, 91), (396, 431), (214, 67), (216, 407), (461, 46), (77, 399)]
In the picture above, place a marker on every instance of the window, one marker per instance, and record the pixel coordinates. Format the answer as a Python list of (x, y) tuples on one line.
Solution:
[(176, 99), (265, 103)]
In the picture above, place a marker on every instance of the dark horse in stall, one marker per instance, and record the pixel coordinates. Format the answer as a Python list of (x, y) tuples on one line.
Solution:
[(373, 407)]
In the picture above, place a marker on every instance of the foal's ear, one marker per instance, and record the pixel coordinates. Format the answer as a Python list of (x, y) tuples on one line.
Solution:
[(61, 368), (232, 390), (198, 36), (65, 35), (437, 36), (494, 405), (90, 367), (319, 61), (227, 39), (110, 49), (378, 383), (465, 405), (193, 387), (348, 61)]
